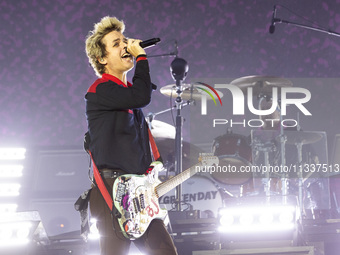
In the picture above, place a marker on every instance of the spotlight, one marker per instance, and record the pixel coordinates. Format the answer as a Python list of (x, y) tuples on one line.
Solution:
[(12, 153), (9, 189), (18, 228), (252, 219), (11, 171), (246, 219), (286, 217), (8, 208), (15, 233), (226, 219), (94, 233), (24, 231), (266, 218)]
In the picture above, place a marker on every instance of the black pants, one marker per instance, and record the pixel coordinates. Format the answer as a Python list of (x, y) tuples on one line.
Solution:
[(155, 241)]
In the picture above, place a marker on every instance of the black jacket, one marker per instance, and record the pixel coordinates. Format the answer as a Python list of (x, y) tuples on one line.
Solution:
[(117, 127)]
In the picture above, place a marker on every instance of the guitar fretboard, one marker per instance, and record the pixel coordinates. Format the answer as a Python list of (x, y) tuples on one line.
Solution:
[(165, 187)]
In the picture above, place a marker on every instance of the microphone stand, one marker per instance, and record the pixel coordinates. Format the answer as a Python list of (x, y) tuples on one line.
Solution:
[(179, 69), (318, 29), (174, 53), (164, 55), (151, 115), (283, 140)]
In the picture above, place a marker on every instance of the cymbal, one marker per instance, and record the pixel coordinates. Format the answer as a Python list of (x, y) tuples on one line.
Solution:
[(160, 129), (261, 84), (189, 92), (303, 137)]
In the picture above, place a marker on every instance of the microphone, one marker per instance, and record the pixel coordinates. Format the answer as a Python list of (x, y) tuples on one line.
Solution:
[(179, 69), (272, 26), (149, 43)]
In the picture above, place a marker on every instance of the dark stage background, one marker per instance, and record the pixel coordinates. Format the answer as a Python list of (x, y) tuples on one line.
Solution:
[(44, 71), (45, 74)]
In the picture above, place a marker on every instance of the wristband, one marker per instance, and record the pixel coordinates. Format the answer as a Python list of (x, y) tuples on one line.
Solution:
[(141, 57)]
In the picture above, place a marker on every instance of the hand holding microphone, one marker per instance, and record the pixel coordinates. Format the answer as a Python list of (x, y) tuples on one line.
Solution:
[(136, 47), (133, 47)]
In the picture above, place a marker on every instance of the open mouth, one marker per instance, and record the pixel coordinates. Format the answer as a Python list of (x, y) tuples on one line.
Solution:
[(126, 55)]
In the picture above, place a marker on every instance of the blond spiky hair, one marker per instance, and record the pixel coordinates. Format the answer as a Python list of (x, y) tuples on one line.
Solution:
[(95, 48)]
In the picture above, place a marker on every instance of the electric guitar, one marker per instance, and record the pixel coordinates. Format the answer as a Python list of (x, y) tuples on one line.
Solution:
[(136, 196)]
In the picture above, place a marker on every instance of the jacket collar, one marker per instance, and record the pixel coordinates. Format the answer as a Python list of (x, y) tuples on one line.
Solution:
[(115, 79)]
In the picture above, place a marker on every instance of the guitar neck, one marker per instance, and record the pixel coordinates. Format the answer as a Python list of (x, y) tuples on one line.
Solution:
[(165, 187)]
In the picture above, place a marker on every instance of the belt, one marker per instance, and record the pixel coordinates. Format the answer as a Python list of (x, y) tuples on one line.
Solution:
[(110, 173)]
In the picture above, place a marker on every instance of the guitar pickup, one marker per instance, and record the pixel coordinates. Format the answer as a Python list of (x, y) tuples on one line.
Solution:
[(142, 201), (136, 205), (120, 192)]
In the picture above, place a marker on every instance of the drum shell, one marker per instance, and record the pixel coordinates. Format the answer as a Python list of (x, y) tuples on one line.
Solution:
[(234, 152)]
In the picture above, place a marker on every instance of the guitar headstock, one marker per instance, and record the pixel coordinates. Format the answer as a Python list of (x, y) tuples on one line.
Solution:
[(208, 159)]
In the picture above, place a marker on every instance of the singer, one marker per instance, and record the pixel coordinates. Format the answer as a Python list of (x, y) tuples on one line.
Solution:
[(118, 136)]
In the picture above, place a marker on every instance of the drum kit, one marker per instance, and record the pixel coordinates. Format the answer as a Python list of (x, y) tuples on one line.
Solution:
[(262, 147)]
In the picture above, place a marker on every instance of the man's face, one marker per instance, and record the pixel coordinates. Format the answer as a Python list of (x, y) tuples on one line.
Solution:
[(117, 60)]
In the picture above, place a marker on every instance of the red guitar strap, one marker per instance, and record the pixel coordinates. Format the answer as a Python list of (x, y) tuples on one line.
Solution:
[(99, 180), (101, 185), (155, 152)]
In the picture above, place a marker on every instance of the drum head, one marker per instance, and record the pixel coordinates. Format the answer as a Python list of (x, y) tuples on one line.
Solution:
[(232, 171), (200, 193)]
